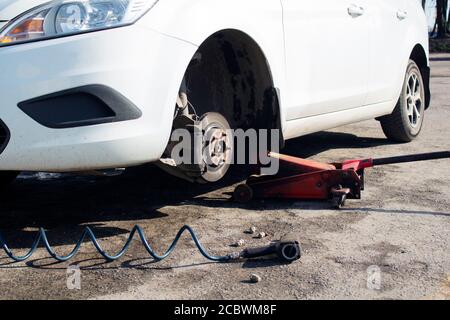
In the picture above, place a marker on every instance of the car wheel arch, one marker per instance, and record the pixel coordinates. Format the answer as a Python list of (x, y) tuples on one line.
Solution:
[(419, 56), (245, 64)]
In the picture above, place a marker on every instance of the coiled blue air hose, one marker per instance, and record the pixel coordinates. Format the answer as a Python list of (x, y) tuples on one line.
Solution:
[(42, 237)]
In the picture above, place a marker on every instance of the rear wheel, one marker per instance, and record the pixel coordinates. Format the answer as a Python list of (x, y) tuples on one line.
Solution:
[(405, 123), (7, 177)]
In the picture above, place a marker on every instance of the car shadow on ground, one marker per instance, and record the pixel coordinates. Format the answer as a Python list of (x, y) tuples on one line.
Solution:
[(66, 204), (439, 58)]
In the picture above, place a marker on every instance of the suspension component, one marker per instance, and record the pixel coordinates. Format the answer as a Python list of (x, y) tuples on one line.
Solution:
[(207, 156)]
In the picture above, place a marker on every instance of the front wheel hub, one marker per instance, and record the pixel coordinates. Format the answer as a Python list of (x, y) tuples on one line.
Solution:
[(217, 146)]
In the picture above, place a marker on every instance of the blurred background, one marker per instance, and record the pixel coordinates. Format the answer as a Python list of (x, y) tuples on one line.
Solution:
[(437, 12), (432, 7)]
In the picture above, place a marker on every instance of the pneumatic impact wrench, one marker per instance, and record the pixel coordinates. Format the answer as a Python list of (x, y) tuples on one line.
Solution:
[(287, 249)]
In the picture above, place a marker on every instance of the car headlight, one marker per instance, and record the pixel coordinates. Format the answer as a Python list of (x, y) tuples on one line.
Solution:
[(66, 17)]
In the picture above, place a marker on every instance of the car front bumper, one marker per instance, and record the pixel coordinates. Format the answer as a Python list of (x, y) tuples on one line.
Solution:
[(141, 65)]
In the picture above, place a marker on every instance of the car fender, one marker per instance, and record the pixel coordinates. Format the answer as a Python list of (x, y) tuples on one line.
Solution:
[(196, 21)]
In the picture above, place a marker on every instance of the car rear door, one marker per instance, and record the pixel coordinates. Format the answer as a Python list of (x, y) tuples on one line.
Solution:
[(327, 55), (388, 28)]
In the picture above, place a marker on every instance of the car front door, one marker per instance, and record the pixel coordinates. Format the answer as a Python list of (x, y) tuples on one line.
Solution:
[(327, 56)]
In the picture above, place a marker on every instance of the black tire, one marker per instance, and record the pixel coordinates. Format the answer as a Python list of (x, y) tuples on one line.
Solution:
[(7, 177), (405, 123)]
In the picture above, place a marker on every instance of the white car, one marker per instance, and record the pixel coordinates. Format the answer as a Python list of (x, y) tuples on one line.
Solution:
[(94, 84)]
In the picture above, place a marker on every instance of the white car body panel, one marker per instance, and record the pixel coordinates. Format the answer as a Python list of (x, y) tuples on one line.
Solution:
[(387, 37), (354, 73)]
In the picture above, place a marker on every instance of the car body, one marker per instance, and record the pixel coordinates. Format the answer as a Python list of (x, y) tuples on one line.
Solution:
[(330, 63)]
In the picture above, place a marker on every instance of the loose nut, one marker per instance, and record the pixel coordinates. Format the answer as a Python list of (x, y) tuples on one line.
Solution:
[(252, 230), (239, 244), (254, 278), (262, 235)]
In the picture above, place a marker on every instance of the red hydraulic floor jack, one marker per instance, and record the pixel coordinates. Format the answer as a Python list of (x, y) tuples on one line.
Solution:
[(303, 179)]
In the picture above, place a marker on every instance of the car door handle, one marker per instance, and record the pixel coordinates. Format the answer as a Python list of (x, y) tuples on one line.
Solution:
[(355, 11), (402, 15)]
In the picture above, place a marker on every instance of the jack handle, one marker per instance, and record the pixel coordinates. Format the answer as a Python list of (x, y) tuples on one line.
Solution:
[(411, 158)]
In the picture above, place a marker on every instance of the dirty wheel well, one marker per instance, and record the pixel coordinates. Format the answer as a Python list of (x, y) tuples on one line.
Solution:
[(230, 75)]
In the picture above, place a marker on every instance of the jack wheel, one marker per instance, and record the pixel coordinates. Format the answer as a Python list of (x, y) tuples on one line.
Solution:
[(339, 201), (243, 193)]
